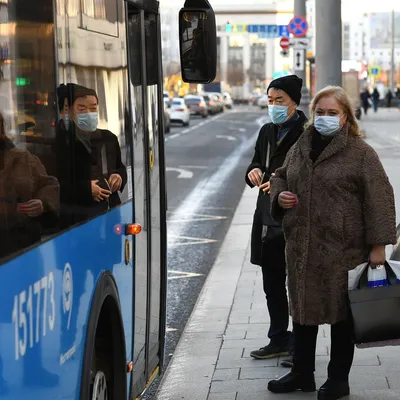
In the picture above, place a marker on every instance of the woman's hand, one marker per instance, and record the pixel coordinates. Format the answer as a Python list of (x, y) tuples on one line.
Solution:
[(98, 193), (115, 182), (287, 200), (255, 176), (32, 208), (377, 255)]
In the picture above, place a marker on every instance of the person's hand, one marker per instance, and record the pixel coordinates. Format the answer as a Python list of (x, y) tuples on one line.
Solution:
[(32, 208), (287, 200), (377, 256), (115, 182), (266, 187), (255, 176), (98, 193)]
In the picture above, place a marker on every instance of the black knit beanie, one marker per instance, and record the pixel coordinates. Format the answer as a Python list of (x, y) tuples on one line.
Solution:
[(290, 84)]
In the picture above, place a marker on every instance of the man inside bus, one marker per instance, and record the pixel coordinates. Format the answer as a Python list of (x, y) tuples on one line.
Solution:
[(90, 168)]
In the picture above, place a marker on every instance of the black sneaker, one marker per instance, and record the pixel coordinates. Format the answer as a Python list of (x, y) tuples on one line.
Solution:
[(287, 363), (270, 351)]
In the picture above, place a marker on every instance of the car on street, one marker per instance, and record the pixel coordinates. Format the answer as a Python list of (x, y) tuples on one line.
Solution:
[(167, 116), (253, 100), (228, 101), (197, 105), (213, 105), (179, 112), (220, 99), (263, 102)]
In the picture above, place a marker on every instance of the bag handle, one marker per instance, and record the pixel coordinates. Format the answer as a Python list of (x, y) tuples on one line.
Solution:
[(390, 275)]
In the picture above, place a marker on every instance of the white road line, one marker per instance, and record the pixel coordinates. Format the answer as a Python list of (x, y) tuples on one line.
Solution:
[(183, 173), (182, 275), (175, 135), (194, 166)]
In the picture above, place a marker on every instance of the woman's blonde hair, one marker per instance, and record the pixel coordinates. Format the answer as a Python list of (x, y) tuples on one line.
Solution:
[(345, 103)]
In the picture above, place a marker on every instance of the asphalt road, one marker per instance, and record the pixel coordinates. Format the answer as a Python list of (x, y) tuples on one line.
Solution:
[(206, 164)]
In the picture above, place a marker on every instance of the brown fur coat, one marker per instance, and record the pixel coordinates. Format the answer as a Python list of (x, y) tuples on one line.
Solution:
[(345, 205)]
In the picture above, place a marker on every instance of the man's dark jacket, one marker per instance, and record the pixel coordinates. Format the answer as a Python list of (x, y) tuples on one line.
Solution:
[(268, 136)]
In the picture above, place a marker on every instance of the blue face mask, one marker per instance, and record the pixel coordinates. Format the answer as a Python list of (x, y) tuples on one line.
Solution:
[(278, 114), (327, 126), (66, 121), (88, 122)]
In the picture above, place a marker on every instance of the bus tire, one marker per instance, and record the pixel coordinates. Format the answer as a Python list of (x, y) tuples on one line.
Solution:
[(104, 361)]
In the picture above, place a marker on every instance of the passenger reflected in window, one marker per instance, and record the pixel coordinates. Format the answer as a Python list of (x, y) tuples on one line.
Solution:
[(28, 196), (90, 167)]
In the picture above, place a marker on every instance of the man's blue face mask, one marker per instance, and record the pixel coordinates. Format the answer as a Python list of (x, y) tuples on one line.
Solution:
[(88, 122)]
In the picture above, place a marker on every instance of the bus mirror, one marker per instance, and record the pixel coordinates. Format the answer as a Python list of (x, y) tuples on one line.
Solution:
[(198, 42)]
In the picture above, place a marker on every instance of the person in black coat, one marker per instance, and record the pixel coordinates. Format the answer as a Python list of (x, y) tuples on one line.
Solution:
[(267, 240), (89, 164)]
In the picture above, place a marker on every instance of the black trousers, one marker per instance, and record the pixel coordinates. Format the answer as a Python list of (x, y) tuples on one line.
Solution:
[(342, 349), (274, 282)]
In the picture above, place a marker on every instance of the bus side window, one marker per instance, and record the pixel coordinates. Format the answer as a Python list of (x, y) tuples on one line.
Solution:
[(29, 191)]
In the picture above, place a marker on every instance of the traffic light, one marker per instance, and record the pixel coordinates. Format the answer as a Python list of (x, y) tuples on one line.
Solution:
[(228, 27)]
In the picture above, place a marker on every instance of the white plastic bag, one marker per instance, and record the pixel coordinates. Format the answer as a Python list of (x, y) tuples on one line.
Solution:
[(377, 277), (355, 275), (396, 268)]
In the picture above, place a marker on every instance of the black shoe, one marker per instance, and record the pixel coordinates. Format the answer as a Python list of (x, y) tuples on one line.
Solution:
[(270, 351), (287, 363), (333, 389), (291, 382)]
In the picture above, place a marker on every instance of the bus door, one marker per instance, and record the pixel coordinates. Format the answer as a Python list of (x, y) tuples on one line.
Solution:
[(157, 270), (149, 195), (136, 56)]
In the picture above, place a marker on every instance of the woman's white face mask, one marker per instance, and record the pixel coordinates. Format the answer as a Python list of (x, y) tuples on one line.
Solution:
[(327, 126)]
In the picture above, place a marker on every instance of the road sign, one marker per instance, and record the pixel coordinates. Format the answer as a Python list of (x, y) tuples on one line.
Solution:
[(298, 26), (283, 31), (299, 60), (300, 43), (375, 70), (269, 31), (284, 42)]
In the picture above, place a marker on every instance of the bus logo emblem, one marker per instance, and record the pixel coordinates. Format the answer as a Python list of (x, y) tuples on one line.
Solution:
[(68, 291)]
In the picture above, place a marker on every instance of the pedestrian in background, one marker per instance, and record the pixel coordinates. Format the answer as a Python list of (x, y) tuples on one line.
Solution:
[(375, 99), (338, 211), (365, 97), (389, 97), (267, 241)]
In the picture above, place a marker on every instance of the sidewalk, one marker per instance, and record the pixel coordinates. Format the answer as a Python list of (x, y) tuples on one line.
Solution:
[(212, 360)]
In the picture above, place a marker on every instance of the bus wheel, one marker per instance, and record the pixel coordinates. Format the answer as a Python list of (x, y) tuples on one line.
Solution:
[(104, 373), (100, 387)]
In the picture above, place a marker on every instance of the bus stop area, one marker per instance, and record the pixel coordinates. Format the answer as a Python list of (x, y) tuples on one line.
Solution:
[(212, 360)]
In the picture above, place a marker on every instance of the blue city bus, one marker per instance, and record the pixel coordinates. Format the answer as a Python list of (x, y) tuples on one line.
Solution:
[(83, 271)]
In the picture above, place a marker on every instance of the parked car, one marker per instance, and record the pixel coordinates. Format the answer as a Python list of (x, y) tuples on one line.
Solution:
[(213, 105), (179, 111), (167, 116), (228, 101), (263, 102), (197, 105)]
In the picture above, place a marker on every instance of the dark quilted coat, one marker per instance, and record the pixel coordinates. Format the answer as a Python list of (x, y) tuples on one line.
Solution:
[(345, 205)]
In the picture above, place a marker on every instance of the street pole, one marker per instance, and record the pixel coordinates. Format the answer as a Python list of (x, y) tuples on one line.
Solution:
[(328, 54), (300, 11), (392, 75)]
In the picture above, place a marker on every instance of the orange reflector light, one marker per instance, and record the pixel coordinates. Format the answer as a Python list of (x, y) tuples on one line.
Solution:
[(133, 229), (130, 367)]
